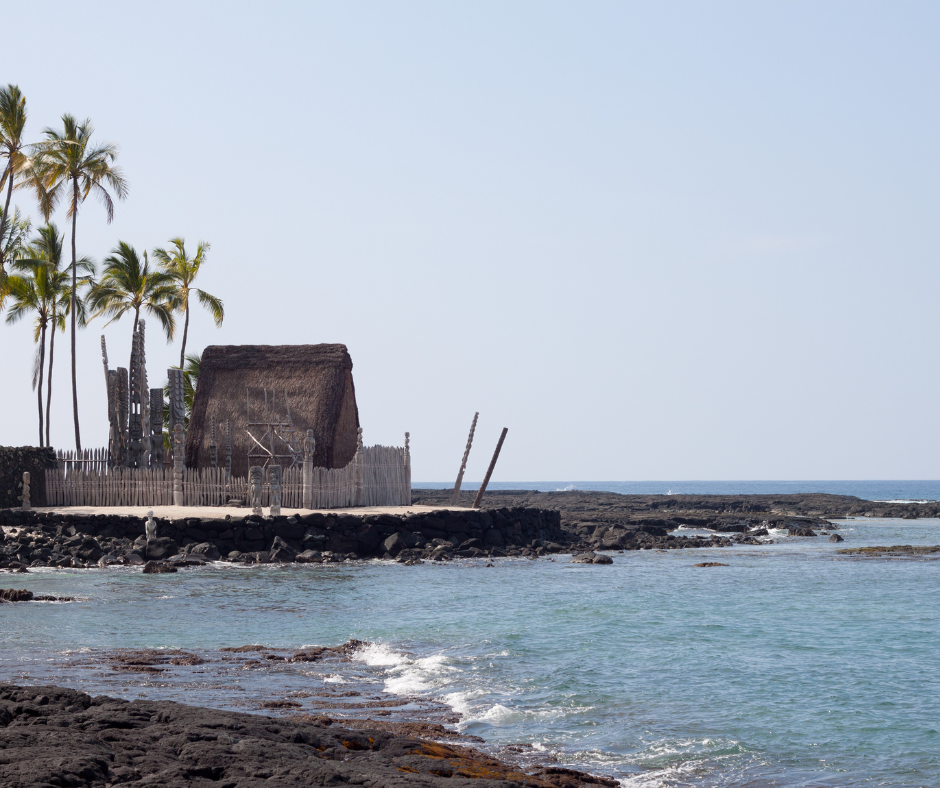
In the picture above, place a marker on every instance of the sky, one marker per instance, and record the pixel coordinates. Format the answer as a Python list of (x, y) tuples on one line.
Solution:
[(670, 240)]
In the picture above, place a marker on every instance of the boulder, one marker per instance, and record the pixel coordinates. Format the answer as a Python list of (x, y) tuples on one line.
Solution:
[(795, 529), (591, 558), (206, 550), (158, 568), (281, 552), (160, 548), (836, 538), (394, 544), (15, 595), (308, 557)]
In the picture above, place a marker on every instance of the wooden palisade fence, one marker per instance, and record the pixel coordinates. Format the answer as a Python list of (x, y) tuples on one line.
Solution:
[(376, 476)]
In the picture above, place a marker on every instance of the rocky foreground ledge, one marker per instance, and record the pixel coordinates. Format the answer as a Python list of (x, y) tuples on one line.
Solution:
[(50, 736)]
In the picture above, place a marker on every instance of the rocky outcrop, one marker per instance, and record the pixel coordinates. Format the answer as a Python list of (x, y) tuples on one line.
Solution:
[(54, 736), (894, 551), (591, 558)]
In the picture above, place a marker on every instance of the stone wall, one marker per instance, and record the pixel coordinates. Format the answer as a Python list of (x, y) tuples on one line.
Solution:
[(438, 534), (14, 460)]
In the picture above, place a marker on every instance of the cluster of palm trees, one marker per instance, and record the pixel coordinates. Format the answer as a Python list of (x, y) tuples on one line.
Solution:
[(36, 281)]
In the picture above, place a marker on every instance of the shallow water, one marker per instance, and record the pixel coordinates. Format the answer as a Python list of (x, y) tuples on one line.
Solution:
[(791, 666)]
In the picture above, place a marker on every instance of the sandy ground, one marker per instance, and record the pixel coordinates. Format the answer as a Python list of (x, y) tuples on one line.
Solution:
[(220, 512)]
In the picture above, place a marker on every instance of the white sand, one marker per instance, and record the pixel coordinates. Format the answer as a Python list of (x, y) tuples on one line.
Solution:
[(219, 512)]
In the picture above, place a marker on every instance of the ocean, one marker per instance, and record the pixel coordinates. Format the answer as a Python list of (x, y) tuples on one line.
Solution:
[(790, 666), (905, 490)]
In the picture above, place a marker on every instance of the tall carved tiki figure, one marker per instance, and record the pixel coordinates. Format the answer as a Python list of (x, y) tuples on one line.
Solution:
[(255, 481), (310, 446), (157, 451), (274, 480), (228, 450), (143, 397), (177, 405), (134, 426)]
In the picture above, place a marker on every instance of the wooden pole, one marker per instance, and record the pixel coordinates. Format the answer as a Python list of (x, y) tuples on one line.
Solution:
[(489, 471), (463, 462)]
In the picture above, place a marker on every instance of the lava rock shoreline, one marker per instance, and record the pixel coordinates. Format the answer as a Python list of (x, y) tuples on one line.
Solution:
[(56, 736), (520, 523)]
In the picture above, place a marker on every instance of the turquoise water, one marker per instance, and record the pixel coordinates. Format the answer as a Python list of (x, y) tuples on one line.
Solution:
[(789, 667)]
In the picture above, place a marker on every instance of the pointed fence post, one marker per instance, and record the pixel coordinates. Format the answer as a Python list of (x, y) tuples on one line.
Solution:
[(310, 446), (489, 471), (463, 462)]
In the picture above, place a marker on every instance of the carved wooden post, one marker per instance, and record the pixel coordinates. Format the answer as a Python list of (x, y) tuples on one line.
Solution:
[(310, 446), (213, 447), (134, 426), (358, 458), (177, 403), (144, 397), (26, 504), (407, 496), (463, 462), (489, 471), (255, 476), (228, 450), (274, 480), (157, 451), (178, 465)]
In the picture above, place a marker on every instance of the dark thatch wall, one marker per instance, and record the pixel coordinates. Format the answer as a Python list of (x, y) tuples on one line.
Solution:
[(317, 380)]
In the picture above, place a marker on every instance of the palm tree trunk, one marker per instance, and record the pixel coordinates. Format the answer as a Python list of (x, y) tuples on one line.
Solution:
[(6, 210), (49, 382), (136, 321), (185, 332), (78, 434), (42, 366)]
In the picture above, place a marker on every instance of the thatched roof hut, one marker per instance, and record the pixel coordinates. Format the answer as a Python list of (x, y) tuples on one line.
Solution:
[(316, 381)]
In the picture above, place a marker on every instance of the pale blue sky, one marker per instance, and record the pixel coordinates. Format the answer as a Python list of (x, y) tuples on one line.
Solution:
[(666, 240)]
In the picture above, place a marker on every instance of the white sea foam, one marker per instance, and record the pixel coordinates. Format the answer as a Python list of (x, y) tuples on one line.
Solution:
[(379, 655), (406, 675), (334, 679)]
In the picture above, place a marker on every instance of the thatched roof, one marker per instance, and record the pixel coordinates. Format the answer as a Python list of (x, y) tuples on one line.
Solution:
[(316, 380)]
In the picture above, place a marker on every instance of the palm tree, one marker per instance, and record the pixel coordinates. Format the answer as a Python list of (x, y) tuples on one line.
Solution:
[(46, 250), (12, 123), (128, 284), (68, 161), (12, 243), (184, 270)]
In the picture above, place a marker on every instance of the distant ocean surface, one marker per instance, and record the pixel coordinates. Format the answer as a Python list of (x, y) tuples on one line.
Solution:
[(915, 490), (791, 666)]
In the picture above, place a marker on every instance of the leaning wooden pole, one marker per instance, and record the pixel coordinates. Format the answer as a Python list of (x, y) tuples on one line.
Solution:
[(463, 462), (489, 471)]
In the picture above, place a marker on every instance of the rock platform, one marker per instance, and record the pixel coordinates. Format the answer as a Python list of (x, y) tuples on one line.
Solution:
[(55, 736)]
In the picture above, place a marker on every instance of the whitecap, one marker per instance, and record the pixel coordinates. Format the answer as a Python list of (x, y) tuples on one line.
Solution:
[(379, 655)]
